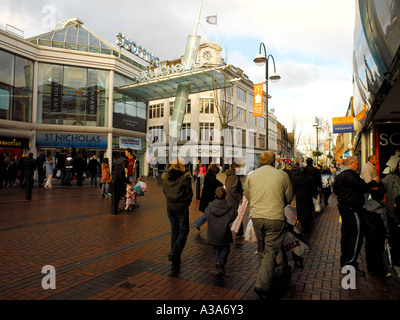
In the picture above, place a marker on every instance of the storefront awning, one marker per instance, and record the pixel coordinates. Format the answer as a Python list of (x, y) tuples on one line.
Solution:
[(166, 87)]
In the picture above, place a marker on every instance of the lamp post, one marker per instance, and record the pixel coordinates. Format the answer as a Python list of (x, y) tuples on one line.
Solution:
[(259, 60), (317, 127)]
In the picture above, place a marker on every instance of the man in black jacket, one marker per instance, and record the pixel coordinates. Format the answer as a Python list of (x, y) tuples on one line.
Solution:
[(177, 187), (350, 189)]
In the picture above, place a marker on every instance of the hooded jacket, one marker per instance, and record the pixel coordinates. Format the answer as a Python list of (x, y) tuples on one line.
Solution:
[(234, 188), (177, 187), (378, 208), (220, 214), (350, 188)]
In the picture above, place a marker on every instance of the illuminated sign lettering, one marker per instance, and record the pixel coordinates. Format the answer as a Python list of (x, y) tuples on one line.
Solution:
[(137, 50)]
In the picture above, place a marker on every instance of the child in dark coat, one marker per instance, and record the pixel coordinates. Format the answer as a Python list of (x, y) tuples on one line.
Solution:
[(376, 228), (220, 215)]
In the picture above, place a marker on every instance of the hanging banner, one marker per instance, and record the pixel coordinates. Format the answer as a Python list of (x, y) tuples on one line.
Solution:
[(343, 124), (92, 93), (258, 102), (56, 89)]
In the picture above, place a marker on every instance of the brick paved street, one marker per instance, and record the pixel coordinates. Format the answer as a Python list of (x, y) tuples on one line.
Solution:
[(100, 256)]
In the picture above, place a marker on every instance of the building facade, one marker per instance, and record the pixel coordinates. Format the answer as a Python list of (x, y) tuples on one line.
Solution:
[(375, 103), (219, 124), (58, 92), (70, 91)]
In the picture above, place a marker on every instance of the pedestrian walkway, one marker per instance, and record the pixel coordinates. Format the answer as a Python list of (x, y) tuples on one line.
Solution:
[(100, 256)]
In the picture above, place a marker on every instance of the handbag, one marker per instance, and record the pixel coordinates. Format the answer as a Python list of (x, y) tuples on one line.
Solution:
[(58, 174), (250, 235), (241, 210)]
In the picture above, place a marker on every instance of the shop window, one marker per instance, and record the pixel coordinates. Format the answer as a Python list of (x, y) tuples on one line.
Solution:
[(16, 78), (130, 112), (72, 95), (241, 94), (206, 132), (207, 106), (6, 68), (184, 134), (5, 102)]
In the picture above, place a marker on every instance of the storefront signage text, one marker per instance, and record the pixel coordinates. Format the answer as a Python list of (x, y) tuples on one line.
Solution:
[(18, 143), (137, 50), (168, 70), (71, 140), (134, 144)]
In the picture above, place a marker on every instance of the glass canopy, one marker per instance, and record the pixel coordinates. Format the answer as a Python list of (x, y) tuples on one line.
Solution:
[(74, 36), (165, 87)]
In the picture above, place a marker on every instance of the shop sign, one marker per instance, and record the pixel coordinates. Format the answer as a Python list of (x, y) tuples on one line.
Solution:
[(258, 100), (92, 93), (135, 144), (137, 50), (343, 124), (168, 70), (71, 140), (389, 147), (56, 89), (14, 143)]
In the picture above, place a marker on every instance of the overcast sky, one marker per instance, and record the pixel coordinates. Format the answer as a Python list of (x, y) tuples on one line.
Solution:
[(311, 41)]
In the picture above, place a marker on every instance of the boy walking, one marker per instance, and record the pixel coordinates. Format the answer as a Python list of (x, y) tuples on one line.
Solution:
[(220, 215), (375, 222)]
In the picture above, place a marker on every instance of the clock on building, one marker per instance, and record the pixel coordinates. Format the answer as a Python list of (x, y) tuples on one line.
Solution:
[(207, 55)]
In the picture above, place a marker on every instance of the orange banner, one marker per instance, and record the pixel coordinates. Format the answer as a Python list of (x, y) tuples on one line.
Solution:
[(258, 102)]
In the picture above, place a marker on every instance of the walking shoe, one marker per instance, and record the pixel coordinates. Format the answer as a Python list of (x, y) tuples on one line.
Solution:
[(261, 293), (220, 269)]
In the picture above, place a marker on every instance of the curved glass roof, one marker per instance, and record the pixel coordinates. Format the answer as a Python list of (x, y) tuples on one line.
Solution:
[(74, 36)]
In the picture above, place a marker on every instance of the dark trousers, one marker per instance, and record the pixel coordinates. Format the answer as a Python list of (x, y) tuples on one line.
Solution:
[(68, 177), (327, 193), (375, 235), (352, 237), (179, 221), (221, 253)]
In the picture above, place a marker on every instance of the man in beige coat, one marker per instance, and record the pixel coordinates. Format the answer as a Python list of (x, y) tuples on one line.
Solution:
[(268, 190), (368, 172)]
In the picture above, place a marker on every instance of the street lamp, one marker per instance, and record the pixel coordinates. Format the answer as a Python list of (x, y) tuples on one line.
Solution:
[(317, 127), (260, 60)]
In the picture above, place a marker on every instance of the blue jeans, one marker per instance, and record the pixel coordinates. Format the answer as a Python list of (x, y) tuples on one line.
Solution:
[(200, 221), (179, 221), (221, 253)]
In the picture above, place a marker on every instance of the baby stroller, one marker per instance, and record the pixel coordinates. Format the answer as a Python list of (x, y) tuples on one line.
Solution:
[(139, 189)]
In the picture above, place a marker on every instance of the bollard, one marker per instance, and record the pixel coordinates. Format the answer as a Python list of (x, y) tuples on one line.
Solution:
[(28, 187), (115, 198), (198, 188)]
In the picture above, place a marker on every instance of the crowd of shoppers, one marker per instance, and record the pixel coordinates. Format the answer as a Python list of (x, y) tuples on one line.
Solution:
[(368, 204)]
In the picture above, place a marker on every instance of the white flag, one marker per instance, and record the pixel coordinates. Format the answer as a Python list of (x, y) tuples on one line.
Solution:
[(212, 19)]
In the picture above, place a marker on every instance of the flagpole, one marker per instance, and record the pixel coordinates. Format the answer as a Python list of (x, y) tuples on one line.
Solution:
[(198, 19)]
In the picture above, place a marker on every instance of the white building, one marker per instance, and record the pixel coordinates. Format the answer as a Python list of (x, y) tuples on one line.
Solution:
[(202, 124)]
